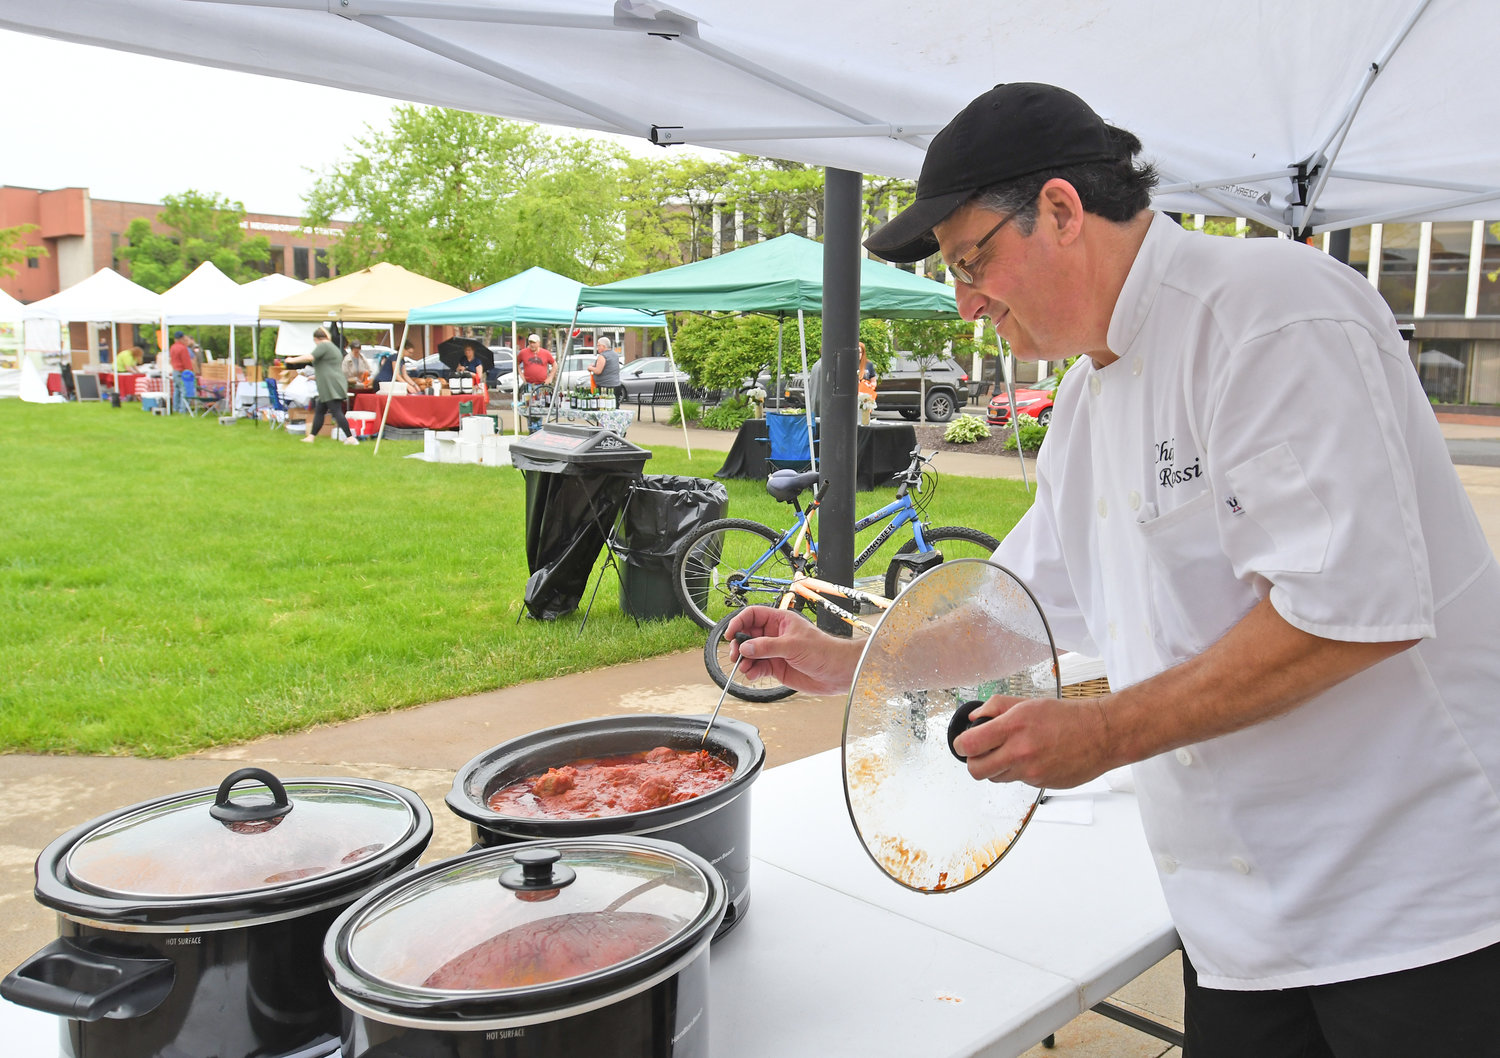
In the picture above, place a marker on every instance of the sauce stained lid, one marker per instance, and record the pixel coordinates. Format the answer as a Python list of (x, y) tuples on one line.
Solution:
[(544, 915), (239, 839)]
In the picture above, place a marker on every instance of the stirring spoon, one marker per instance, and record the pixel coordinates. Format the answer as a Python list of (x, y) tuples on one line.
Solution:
[(741, 638)]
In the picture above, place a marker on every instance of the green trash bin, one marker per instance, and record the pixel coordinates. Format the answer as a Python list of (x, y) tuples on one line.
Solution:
[(660, 513)]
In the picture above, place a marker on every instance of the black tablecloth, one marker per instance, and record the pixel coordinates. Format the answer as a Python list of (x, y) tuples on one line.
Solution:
[(882, 451)]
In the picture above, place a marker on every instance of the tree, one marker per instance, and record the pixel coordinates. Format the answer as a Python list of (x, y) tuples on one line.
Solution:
[(13, 250), (201, 227), (668, 211), (470, 199)]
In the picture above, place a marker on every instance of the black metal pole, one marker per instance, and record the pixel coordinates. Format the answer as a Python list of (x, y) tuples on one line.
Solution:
[(1338, 245), (841, 262)]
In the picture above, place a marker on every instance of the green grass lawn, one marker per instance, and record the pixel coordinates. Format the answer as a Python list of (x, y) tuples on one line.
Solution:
[(168, 584)]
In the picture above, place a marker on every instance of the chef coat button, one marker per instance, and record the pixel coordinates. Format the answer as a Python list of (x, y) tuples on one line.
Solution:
[(1240, 864), (1167, 864), (1137, 367), (1135, 500), (1095, 385), (1103, 507), (1184, 757)]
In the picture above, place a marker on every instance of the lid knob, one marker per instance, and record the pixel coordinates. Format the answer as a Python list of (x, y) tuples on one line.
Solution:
[(961, 723), (227, 811), (538, 871)]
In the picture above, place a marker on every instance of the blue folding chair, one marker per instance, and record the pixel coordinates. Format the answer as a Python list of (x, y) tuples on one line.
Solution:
[(277, 411), (790, 448)]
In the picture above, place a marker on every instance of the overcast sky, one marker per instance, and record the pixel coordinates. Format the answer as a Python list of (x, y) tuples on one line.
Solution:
[(136, 128)]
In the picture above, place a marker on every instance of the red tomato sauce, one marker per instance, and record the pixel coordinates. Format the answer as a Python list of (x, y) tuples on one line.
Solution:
[(614, 786)]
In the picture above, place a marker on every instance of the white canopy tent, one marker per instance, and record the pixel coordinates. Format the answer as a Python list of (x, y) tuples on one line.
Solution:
[(104, 297), (1301, 116), (209, 297)]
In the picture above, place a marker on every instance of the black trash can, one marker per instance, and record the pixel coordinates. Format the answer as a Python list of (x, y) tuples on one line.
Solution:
[(663, 510), (577, 478)]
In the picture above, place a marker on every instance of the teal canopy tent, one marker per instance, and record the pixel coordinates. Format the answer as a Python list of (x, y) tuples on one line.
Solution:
[(780, 276), (533, 296)]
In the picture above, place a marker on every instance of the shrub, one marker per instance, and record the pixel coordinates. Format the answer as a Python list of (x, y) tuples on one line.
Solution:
[(689, 409), (728, 415), (965, 430), (1032, 434)]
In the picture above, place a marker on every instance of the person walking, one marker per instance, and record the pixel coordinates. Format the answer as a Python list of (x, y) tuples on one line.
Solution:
[(1246, 507), (180, 357), (328, 373)]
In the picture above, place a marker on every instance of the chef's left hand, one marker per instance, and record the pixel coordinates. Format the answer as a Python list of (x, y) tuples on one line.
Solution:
[(1045, 742)]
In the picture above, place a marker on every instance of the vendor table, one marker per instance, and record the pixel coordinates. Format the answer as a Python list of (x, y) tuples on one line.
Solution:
[(882, 450), (106, 380), (833, 958), (417, 411)]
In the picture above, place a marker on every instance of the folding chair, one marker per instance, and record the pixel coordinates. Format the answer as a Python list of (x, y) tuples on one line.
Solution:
[(790, 449), (277, 412)]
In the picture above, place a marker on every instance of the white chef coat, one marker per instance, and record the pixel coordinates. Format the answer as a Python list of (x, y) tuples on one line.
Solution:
[(1263, 433)]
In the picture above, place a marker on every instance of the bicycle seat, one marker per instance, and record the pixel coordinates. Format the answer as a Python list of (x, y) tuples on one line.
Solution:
[(787, 485)]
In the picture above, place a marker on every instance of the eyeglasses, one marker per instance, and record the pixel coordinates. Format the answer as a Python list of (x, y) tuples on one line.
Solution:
[(963, 268)]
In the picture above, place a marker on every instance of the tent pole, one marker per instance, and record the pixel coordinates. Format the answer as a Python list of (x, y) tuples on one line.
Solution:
[(1008, 361), (164, 364), (229, 378), (255, 356), (677, 388), (515, 380), (807, 408), (386, 411)]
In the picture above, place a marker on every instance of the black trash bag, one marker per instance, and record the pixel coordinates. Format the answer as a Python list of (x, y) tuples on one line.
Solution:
[(566, 518), (662, 512)]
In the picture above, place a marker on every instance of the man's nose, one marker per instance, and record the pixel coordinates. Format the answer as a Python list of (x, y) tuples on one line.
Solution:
[(971, 303)]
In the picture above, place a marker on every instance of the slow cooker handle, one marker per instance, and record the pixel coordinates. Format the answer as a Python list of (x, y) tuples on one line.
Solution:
[(73, 982), (226, 811)]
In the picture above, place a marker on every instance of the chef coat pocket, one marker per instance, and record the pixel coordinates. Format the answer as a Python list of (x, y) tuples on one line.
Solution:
[(1194, 594), (1276, 521)]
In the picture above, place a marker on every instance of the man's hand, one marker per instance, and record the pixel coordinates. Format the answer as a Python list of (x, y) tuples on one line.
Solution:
[(1046, 742), (790, 648)]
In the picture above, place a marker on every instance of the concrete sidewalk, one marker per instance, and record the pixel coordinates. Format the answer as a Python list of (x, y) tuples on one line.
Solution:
[(422, 748)]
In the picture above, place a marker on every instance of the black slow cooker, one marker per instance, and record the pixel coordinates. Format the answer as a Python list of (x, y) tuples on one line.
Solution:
[(584, 946), (715, 825), (192, 925)]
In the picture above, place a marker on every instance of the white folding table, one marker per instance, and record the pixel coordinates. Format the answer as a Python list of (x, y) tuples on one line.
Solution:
[(834, 959)]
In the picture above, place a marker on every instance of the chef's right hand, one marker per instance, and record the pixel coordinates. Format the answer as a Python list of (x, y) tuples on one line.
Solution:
[(790, 649)]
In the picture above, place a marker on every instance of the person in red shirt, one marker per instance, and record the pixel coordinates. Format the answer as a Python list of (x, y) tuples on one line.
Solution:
[(182, 372), (537, 364)]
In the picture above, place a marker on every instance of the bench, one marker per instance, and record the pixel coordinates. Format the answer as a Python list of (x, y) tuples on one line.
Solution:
[(663, 394)]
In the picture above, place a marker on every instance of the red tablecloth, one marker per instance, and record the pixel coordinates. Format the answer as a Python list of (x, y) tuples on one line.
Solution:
[(106, 380), (418, 412)]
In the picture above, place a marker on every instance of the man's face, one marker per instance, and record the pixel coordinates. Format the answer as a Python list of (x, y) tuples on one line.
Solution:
[(1020, 281)]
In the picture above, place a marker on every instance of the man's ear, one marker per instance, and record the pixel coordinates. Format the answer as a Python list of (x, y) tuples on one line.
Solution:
[(1061, 210)]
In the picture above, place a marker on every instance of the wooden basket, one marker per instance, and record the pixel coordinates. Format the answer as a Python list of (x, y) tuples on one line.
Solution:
[(1095, 688)]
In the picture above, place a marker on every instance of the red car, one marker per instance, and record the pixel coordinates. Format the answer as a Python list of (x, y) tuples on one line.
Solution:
[(1033, 398)]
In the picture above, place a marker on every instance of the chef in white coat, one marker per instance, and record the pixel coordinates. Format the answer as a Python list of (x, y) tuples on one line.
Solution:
[(1246, 507)]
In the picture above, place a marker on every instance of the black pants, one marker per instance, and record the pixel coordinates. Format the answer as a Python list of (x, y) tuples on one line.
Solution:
[(620, 396), (1448, 1008), (334, 408)]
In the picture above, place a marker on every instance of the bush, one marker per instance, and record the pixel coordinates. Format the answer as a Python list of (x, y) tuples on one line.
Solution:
[(689, 409), (965, 430), (1032, 434), (728, 415)]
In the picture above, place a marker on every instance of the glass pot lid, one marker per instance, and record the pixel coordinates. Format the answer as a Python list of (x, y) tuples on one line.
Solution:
[(239, 839), (538, 914), (962, 632)]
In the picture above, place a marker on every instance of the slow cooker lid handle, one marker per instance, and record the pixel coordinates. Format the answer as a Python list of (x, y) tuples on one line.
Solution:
[(538, 870), (228, 811)]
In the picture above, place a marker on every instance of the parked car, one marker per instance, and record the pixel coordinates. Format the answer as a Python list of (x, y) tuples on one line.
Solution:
[(574, 373), (639, 377), (1033, 398), (505, 360), (903, 387)]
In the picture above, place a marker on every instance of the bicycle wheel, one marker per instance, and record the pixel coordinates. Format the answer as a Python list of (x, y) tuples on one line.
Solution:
[(716, 660), (952, 541), (710, 576)]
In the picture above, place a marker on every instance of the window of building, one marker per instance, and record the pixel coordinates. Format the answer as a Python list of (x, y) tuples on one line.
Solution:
[(1398, 266), (1484, 372), (299, 262), (33, 262), (1448, 268), (1359, 249), (1489, 270), (278, 260), (1442, 367), (320, 264)]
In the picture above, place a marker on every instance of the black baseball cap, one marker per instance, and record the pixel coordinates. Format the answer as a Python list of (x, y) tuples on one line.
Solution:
[(1012, 130)]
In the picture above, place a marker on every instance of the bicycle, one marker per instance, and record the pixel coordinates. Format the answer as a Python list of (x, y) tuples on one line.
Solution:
[(809, 591), (731, 563)]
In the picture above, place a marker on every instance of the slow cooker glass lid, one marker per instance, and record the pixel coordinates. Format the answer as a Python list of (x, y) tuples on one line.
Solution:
[(176, 848), (463, 930)]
